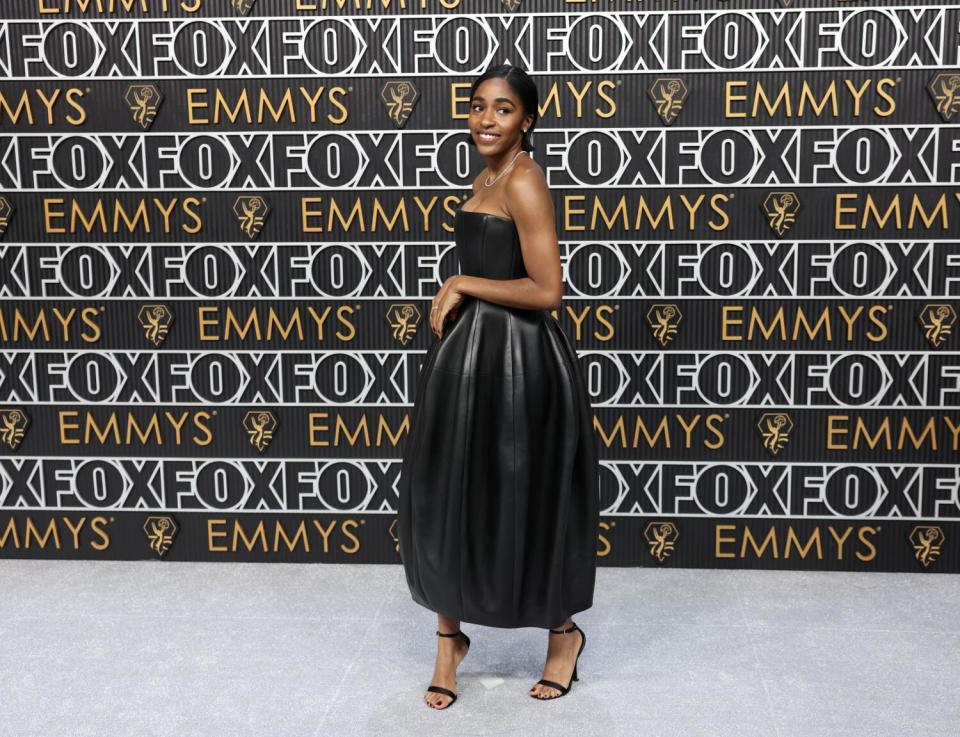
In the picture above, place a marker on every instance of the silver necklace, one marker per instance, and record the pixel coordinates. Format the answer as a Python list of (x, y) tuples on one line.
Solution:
[(488, 183)]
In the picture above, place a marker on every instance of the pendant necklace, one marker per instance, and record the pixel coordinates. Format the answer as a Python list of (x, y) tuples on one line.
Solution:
[(488, 183)]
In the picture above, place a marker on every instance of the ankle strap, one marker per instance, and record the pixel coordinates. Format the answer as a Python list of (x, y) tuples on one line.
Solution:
[(448, 634), (571, 628)]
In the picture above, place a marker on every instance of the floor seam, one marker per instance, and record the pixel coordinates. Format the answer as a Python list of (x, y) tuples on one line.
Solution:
[(756, 659), (346, 671)]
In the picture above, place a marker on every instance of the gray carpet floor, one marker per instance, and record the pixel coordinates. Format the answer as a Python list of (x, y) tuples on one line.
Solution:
[(160, 649)]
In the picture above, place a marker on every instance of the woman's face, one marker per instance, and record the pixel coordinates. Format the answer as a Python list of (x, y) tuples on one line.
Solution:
[(496, 117)]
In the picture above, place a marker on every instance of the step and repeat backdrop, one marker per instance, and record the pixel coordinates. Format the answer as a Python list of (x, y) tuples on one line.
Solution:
[(222, 223)]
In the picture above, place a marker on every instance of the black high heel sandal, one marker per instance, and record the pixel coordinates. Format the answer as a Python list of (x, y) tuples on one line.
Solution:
[(553, 684), (441, 689)]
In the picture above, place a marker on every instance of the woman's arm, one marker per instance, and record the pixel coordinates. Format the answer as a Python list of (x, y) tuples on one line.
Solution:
[(531, 208)]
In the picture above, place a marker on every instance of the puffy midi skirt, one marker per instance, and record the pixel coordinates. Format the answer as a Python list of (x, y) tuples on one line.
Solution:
[(498, 494)]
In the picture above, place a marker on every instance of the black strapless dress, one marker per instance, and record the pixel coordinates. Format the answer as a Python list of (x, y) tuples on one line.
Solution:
[(498, 494)]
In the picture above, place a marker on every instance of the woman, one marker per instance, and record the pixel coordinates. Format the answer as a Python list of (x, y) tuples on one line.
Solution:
[(498, 504)]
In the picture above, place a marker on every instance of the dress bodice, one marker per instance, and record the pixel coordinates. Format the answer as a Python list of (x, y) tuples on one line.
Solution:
[(488, 245)]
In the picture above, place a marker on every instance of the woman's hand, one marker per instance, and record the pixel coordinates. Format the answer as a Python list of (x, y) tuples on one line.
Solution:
[(445, 305)]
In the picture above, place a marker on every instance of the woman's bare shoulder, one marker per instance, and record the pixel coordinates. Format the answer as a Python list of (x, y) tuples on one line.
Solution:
[(528, 193), (528, 176)]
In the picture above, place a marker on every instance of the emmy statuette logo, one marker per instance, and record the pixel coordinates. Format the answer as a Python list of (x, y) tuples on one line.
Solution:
[(926, 541), (664, 320), (6, 212), (937, 321), (260, 425), (775, 427), (13, 426), (155, 321), (662, 539), (160, 533), (241, 6), (945, 91), (392, 531), (251, 211), (781, 210), (399, 99), (668, 95), (511, 5), (144, 101), (404, 319)]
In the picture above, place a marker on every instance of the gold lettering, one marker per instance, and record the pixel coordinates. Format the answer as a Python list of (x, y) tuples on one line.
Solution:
[(721, 539), (347, 528), (840, 540), (291, 544), (259, 534), (770, 539), (793, 541), (324, 533), (213, 532), (872, 549)]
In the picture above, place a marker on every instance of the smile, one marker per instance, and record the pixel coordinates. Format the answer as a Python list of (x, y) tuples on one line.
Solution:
[(487, 137)]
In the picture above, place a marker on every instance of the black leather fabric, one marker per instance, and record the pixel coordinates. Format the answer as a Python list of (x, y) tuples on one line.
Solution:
[(498, 494)]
